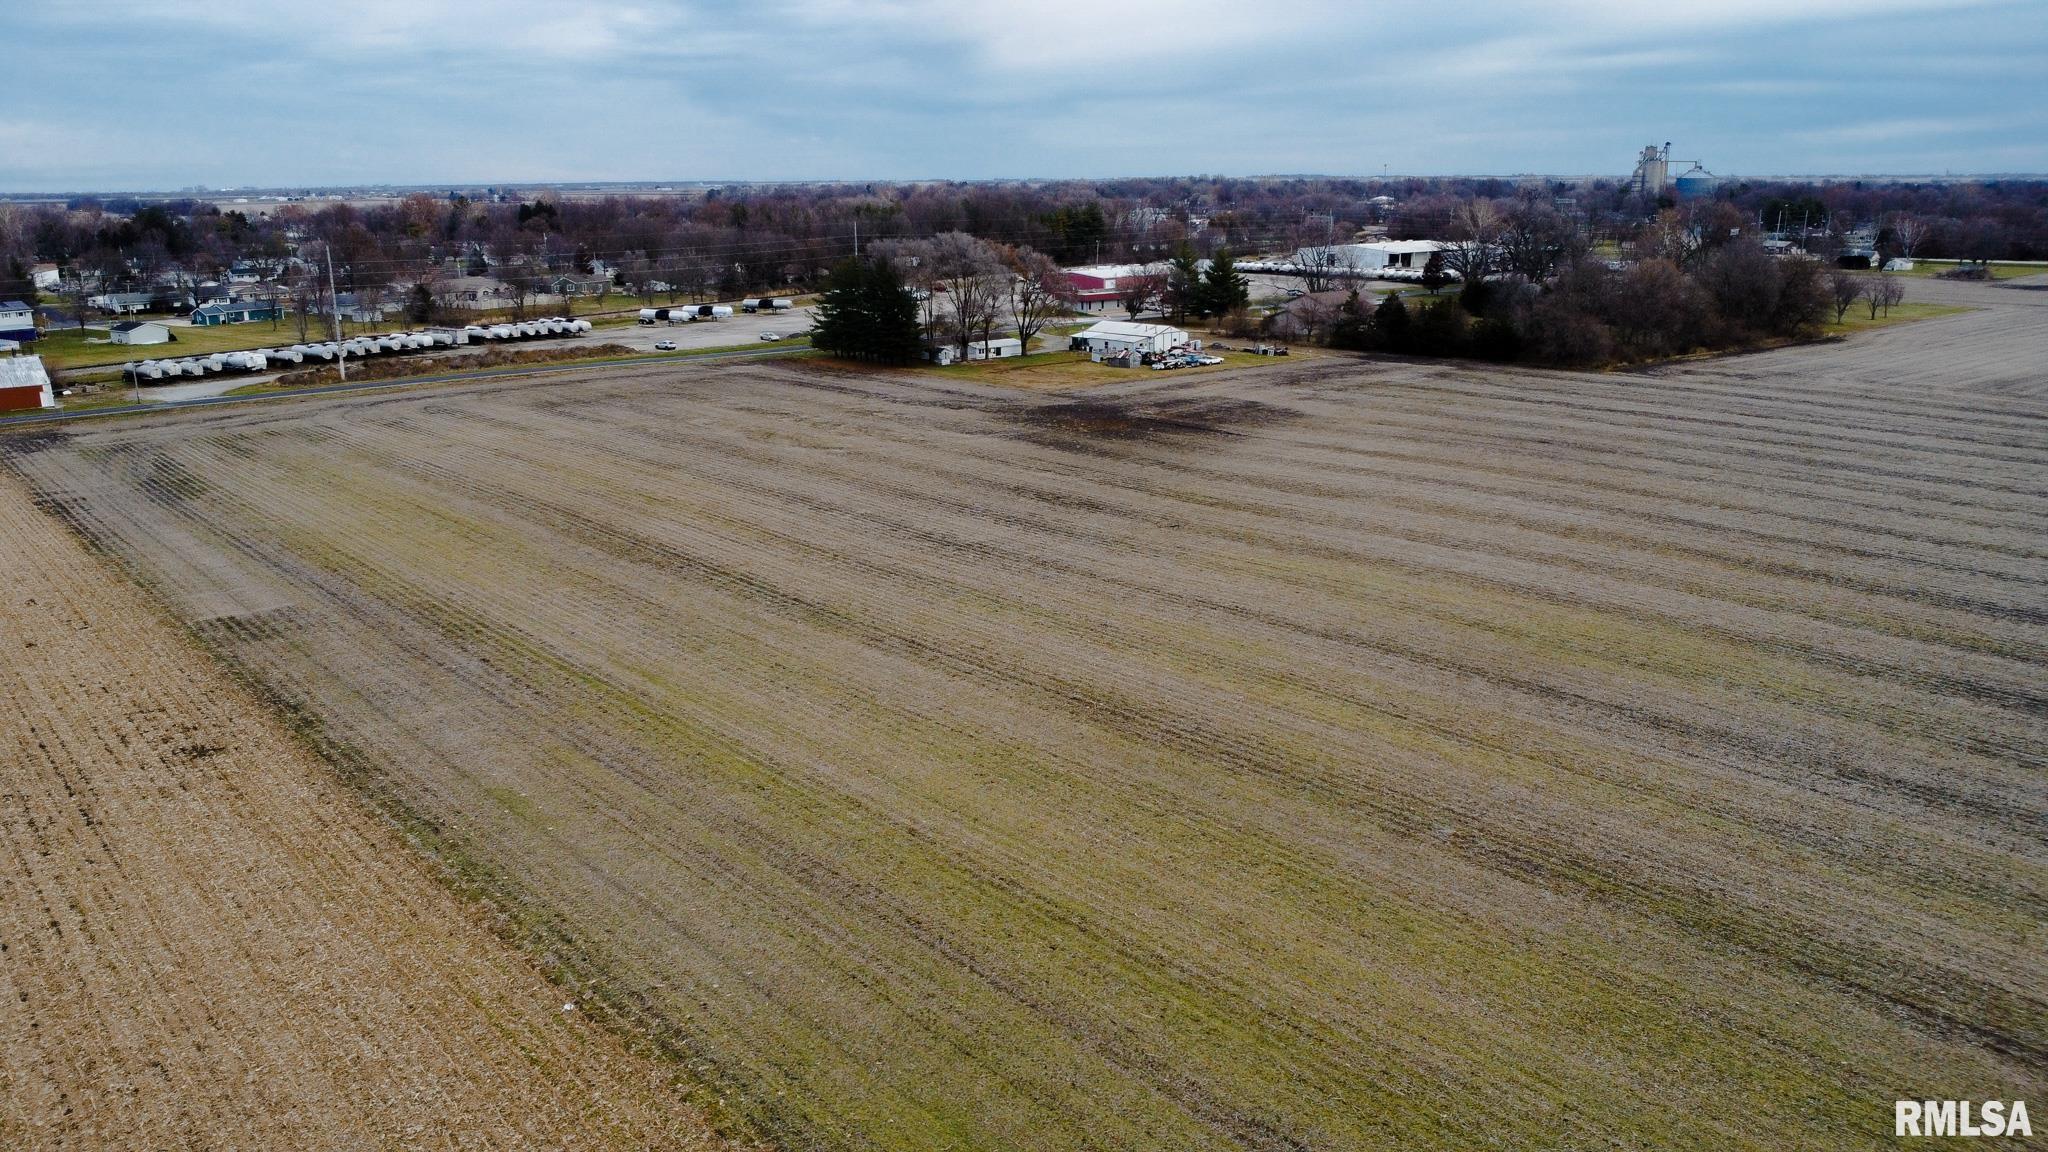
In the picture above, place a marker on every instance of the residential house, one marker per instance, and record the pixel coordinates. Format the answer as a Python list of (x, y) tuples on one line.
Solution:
[(243, 312), (122, 303), (17, 321), (357, 310), (580, 285), (473, 291)]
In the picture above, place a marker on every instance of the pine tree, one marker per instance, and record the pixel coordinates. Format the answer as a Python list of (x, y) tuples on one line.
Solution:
[(1390, 324), (1184, 293), (865, 314), (836, 327), (1353, 328), (896, 337), (1433, 274), (1223, 290)]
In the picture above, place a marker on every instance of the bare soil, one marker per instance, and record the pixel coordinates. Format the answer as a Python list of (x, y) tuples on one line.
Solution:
[(1350, 754)]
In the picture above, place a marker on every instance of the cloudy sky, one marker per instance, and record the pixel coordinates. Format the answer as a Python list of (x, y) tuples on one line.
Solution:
[(168, 93)]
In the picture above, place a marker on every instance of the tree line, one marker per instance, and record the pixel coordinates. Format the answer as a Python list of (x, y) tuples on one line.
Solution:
[(1591, 314)]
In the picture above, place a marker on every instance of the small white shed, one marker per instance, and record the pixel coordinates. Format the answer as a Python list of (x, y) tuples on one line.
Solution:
[(995, 349), (139, 332)]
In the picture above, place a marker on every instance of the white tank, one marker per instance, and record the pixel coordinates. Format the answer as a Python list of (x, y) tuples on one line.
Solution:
[(581, 325)]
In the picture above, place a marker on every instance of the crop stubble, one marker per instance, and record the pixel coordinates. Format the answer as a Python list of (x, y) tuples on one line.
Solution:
[(1332, 756), (206, 941)]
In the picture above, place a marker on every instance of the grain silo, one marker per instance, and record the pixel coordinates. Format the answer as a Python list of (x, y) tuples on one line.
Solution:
[(1697, 184)]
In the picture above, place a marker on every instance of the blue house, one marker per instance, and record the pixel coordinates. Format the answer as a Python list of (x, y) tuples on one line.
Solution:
[(17, 321), (211, 315)]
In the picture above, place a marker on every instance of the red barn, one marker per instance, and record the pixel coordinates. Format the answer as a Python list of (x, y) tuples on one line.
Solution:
[(24, 386)]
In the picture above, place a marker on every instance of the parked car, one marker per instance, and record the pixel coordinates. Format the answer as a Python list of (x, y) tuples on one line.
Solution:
[(771, 335), (664, 345)]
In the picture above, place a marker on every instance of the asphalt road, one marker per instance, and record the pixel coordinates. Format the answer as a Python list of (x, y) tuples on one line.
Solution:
[(766, 351)]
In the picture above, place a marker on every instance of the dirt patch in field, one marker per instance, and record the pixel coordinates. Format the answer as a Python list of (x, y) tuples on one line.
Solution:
[(1139, 419)]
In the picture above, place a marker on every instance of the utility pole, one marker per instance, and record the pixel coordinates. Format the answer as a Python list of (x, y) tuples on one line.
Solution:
[(856, 237), (334, 307)]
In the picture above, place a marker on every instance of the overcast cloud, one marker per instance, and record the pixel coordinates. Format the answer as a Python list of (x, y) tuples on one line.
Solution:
[(170, 93)]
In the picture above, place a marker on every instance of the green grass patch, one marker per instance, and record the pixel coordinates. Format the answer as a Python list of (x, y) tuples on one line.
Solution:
[(1858, 318), (440, 375), (1060, 371), (71, 349), (2000, 270)]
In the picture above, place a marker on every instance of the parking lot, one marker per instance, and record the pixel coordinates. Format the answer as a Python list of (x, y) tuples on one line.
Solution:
[(739, 328)]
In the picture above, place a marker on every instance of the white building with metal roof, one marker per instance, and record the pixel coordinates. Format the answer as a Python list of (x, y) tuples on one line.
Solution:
[(24, 385), (1111, 337)]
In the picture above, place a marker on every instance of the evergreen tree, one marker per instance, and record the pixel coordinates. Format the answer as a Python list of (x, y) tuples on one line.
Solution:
[(1223, 289), (1184, 295), (420, 309), (1433, 274), (1353, 328), (865, 314), (1390, 321), (897, 336)]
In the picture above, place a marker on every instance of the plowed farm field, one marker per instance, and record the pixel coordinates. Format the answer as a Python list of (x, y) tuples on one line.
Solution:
[(207, 941), (1326, 756)]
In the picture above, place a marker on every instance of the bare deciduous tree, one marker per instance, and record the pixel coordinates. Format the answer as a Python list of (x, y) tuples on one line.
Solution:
[(1894, 290), (1318, 265), (1909, 232), (1843, 290), (1474, 251), (1039, 292), (1669, 237), (1140, 294), (975, 282)]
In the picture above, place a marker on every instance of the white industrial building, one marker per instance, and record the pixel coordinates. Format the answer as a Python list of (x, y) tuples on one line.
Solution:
[(138, 332), (1369, 257), (1112, 337)]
